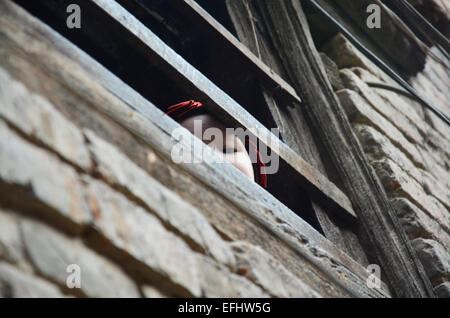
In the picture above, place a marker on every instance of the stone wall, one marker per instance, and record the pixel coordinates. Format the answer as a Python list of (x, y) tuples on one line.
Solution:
[(407, 145)]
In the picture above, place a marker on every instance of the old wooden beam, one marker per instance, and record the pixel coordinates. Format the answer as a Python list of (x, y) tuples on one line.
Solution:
[(382, 231), (294, 127), (197, 16), (223, 105)]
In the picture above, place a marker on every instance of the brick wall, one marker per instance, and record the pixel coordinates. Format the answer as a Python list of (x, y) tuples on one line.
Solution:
[(408, 146)]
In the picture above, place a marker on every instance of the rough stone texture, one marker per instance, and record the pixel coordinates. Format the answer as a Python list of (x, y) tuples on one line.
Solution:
[(139, 233), (217, 281), (435, 259), (121, 171), (345, 55), (407, 146), (377, 147), (419, 224), (268, 273), (35, 117), (51, 252), (398, 119), (152, 292), (14, 283), (406, 106), (360, 111), (432, 82), (42, 175), (399, 184), (11, 247)]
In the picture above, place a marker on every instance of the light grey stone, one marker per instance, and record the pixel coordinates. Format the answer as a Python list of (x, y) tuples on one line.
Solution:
[(406, 106), (51, 253), (37, 118), (266, 272), (11, 247), (396, 118), (152, 292), (434, 257), (360, 112), (398, 184), (217, 281), (417, 223), (42, 174), (16, 284), (137, 232), (345, 55)]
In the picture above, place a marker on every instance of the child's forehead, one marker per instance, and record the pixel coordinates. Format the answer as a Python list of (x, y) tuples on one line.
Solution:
[(206, 121)]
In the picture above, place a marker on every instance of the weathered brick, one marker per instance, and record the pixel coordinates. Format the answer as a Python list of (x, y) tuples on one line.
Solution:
[(52, 252), (42, 174), (436, 189), (398, 184), (440, 144), (140, 234), (407, 106), (345, 55), (152, 292), (417, 223), (377, 146), (265, 271), (435, 259), (437, 123), (405, 125), (121, 171), (11, 247), (36, 117), (217, 281), (436, 166), (16, 284), (359, 111), (422, 83)]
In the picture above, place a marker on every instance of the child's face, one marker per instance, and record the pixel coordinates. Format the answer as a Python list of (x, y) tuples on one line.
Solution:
[(231, 147)]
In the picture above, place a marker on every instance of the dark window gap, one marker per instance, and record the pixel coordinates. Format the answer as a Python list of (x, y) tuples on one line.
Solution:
[(130, 66), (206, 54)]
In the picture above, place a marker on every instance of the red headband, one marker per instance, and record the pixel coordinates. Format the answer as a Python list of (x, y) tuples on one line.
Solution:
[(179, 110)]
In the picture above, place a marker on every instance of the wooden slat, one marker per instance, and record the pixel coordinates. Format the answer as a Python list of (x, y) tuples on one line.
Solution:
[(197, 16), (295, 128), (225, 107), (106, 93)]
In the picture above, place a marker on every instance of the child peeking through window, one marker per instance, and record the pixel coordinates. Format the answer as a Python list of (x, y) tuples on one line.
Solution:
[(231, 148)]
